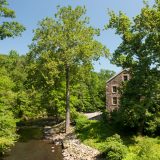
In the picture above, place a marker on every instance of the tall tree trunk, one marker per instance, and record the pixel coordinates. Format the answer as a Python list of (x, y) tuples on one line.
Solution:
[(67, 99)]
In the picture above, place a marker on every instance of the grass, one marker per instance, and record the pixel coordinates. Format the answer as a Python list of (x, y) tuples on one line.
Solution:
[(94, 133)]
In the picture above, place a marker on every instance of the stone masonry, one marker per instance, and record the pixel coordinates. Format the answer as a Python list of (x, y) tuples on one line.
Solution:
[(112, 89)]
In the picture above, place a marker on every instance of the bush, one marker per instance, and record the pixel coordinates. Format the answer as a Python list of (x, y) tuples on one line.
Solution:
[(152, 126), (74, 115), (145, 149), (7, 128), (81, 122), (115, 150), (148, 149), (6, 143), (106, 116)]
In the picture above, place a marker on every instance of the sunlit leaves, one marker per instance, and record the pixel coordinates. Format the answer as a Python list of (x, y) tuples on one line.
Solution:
[(139, 51), (62, 45), (8, 28)]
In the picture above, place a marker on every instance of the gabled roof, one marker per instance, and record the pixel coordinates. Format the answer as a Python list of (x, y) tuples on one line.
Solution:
[(117, 75)]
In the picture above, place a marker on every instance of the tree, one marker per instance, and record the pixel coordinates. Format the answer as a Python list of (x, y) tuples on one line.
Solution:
[(10, 28), (7, 119), (66, 42), (88, 91), (103, 76), (139, 51), (15, 67)]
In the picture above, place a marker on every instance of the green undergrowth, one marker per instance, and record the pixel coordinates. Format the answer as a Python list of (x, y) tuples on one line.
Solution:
[(115, 143)]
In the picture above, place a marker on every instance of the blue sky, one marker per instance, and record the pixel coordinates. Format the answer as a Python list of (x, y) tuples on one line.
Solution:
[(29, 12)]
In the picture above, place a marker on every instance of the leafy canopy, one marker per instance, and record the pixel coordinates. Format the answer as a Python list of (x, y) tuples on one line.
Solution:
[(8, 28), (63, 47), (139, 51)]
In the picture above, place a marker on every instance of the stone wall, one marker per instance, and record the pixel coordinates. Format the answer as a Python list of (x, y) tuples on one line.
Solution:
[(114, 81)]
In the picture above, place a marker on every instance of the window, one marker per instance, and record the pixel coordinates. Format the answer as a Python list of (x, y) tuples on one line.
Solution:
[(114, 89), (125, 78), (114, 101)]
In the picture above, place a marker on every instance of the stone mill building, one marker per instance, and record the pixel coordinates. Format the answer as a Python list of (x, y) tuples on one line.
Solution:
[(112, 93)]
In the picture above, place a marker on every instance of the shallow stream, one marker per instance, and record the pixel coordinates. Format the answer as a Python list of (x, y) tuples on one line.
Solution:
[(31, 146)]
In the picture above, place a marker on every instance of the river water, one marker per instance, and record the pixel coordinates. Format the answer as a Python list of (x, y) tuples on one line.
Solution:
[(34, 149)]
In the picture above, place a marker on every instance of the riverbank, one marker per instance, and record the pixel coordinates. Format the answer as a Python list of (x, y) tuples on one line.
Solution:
[(116, 142), (46, 137), (73, 149)]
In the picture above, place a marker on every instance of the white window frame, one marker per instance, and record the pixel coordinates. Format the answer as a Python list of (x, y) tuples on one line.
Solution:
[(116, 89), (113, 101)]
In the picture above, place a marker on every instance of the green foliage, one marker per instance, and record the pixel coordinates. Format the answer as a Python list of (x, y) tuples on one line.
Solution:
[(139, 51), (98, 134), (103, 136), (6, 85), (7, 96), (74, 115), (81, 122), (10, 28), (62, 51), (148, 150), (145, 149), (88, 92), (7, 120), (6, 143), (93, 132), (24, 102), (115, 150), (103, 76)]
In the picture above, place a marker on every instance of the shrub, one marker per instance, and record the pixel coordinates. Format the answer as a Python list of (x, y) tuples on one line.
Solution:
[(106, 116), (81, 122), (6, 143), (74, 115), (7, 128), (148, 149), (152, 126), (115, 150), (145, 149)]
